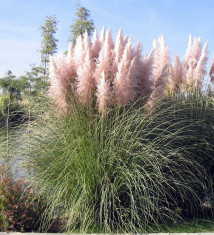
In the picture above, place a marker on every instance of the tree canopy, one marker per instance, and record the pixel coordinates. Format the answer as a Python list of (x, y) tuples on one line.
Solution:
[(49, 42), (82, 23)]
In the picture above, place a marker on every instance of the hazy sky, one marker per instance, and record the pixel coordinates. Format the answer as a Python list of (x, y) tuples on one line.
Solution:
[(144, 20)]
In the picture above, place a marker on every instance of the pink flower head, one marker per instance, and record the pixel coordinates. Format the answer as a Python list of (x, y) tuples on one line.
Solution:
[(193, 67), (146, 74), (58, 83), (211, 73), (105, 60), (175, 79), (79, 53), (119, 47), (200, 70), (125, 82), (70, 53), (86, 42), (103, 94), (96, 45), (102, 35), (84, 78), (161, 56)]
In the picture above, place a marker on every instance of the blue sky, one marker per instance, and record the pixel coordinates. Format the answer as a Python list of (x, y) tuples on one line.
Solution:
[(144, 20)]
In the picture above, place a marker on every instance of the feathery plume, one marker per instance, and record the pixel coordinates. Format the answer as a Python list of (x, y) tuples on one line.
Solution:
[(175, 79), (125, 82), (70, 53), (189, 50), (196, 51), (161, 56), (103, 94), (106, 66), (159, 88), (59, 84), (145, 76), (109, 40), (85, 84), (105, 60), (86, 41), (200, 70), (79, 51), (102, 35), (193, 71), (155, 97), (125, 40), (119, 46), (96, 45), (211, 73)]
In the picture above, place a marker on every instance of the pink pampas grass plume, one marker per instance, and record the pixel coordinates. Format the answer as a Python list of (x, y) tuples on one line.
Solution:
[(125, 82), (125, 40), (211, 73), (194, 62), (106, 59), (145, 77), (102, 35), (109, 40), (138, 55), (163, 78), (103, 94), (189, 77), (159, 88), (71, 70), (119, 46), (193, 52), (86, 41), (155, 98), (79, 54), (85, 84), (96, 45), (70, 53), (200, 70), (161, 56), (60, 69), (177, 70), (188, 51), (62, 75), (175, 79), (58, 84), (196, 51)]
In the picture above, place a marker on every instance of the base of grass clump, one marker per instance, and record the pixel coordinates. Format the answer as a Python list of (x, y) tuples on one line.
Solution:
[(125, 171)]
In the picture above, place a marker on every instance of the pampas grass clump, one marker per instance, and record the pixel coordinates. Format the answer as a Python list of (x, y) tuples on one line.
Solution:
[(125, 170), (111, 156)]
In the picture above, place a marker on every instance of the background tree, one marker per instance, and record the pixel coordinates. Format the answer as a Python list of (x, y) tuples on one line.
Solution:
[(81, 24), (13, 87), (49, 42), (38, 84)]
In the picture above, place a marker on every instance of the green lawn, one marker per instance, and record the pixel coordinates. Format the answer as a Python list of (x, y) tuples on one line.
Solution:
[(190, 226)]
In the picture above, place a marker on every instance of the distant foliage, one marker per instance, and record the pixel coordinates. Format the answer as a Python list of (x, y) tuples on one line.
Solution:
[(49, 42), (81, 24), (109, 73)]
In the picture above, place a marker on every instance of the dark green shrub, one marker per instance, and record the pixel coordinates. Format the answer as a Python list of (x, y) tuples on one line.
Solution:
[(18, 209)]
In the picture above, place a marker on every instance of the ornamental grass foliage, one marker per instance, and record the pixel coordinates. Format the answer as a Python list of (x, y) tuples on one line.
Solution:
[(128, 141)]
